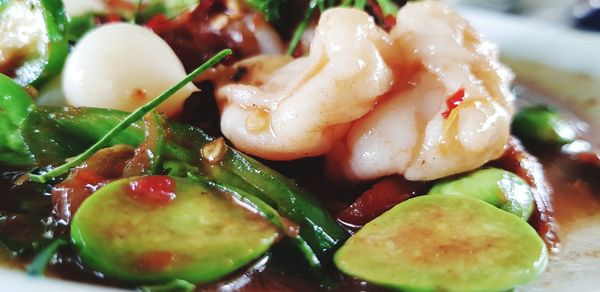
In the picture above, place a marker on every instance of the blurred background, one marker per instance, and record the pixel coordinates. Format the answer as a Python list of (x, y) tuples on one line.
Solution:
[(583, 14)]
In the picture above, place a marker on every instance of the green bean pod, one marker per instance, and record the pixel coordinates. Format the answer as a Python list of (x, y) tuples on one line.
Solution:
[(184, 142), (15, 105), (544, 125)]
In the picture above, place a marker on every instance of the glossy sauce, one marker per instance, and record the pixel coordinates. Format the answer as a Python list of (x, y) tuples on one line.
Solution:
[(576, 189), (25, 214), (575, 197)]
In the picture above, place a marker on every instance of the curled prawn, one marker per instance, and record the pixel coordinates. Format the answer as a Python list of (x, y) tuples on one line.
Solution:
[(428, 100)]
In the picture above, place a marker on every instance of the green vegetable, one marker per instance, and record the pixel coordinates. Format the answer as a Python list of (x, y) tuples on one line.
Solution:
[(543, 124), (270, 214), (169, 8), (199, 235), (270, 8), (498, 187), (3, 4), (317, 226), (145, 10), (286, 227), (55, 134), (46, 141), (80, 25), (148, 155), (444, 243), (155, 140), (15, 104), (39, 263), (388, 7), (173, 286), (126, 122), (44, 57), (360, 4), (299, 31), (179, 169)]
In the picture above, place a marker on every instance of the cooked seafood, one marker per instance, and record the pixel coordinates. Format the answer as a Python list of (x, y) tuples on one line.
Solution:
[(301, 108), (407, 109), (437, 101), (451, 113)]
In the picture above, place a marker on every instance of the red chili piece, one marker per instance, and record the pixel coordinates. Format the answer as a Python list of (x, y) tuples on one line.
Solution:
[(388, 21), (384, 195), (589, 158), (155, 191), (155, 261), (158, 22), (453, 101), (112, 18)]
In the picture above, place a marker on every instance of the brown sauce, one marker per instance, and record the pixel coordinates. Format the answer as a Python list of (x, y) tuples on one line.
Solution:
[(576, 196), (576, 189), (25, 214)]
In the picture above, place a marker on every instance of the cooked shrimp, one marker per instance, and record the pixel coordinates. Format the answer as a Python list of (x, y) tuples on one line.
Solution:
[(428, 100), (292, 109), (452, 114)]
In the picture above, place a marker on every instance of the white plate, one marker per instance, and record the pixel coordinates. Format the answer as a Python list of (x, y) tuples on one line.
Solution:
[(17, 281)]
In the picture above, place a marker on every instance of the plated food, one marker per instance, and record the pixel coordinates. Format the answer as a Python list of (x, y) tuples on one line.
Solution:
[(377, 153)]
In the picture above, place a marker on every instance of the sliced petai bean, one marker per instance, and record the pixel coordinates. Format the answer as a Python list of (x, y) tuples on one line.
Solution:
[(155, 229), (498, 187), (444, 243)]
